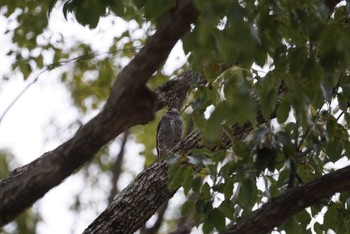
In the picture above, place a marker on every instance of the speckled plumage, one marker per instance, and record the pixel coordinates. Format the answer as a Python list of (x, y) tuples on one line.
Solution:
[(169, 130)]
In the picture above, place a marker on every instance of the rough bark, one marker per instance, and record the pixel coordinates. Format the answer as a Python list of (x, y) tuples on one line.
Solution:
[(276, 211), (136, 203), (140, 200), (130, 103)]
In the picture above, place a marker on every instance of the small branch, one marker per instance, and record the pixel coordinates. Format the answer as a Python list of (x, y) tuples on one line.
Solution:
[(117, 165), (21, 93), (160, 217)]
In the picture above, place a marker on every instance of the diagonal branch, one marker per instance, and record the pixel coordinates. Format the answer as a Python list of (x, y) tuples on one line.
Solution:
[(136, 203), (130, 103), (276, 211)]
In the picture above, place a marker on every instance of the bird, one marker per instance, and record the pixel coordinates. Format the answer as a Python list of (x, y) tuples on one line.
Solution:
[(169, 129)]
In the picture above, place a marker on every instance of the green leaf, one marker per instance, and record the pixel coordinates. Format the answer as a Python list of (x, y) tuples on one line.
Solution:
[(208, 226), (319, 228), (331, 128), (217, 218), (208, 207), (86, 14), (266, 158), (117, 7), (198, 218), (342, 228), (334, 149), (247, 194), (206, 191), (188, 177), (154, 9), (343, 104), (200, 206), (283, 138), (227, 207), (283, 110), (218, 156), (26, 69), (292, 226), (228, 190), (196, 184), (177, 176), (330, 218), (303, 218), (186, 207), (268, 96), (282, 179)]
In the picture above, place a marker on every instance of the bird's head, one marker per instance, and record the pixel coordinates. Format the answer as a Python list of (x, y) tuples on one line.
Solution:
[(173, 103)]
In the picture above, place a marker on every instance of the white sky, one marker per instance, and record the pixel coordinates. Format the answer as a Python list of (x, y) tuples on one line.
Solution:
[(39, 120)]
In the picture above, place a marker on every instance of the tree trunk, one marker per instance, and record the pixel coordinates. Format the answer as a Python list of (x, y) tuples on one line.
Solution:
[(136, 203)]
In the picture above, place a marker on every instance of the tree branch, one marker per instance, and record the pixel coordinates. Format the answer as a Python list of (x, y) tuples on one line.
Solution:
[(136, 203), (130, 103), (276, 211), (117, 167)]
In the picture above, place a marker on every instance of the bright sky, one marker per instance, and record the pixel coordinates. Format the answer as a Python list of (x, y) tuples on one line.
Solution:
[(39, 121)]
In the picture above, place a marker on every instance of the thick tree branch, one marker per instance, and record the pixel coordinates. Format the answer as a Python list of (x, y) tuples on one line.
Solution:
[(136, 203), (130, 103), (276, 211)]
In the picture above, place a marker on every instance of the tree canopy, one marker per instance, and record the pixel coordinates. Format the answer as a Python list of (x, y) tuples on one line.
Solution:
[(265, 94)]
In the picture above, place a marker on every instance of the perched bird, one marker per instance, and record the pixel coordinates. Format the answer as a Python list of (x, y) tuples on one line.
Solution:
[(169, 129)]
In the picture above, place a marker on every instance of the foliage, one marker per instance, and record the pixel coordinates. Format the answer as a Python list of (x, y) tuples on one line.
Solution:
[(270, 47), (304, 50)]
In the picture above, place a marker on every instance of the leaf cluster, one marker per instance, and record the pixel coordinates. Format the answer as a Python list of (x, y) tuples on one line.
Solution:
[(292, 66)]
